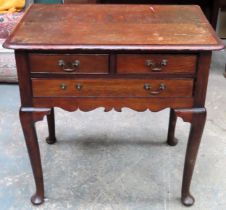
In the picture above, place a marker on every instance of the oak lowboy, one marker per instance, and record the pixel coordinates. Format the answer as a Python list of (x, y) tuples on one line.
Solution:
[(113, 56)]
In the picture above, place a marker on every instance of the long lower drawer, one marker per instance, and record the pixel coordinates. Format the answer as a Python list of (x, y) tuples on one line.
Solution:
[(112, 88)]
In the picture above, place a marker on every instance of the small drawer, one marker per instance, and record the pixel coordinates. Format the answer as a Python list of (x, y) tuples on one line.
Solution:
[(69, 63), (152, 63), (112, 88)]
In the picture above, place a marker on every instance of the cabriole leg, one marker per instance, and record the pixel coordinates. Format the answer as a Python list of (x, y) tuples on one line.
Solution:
[(34, 155), (51, 139), (197, 117), (171, 140), (28, 117)]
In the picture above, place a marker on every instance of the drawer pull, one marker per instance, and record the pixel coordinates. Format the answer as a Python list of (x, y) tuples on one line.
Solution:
[(147, 86), (63, 86), (70, 66), (161, 88), (78, 87), (154, 66)]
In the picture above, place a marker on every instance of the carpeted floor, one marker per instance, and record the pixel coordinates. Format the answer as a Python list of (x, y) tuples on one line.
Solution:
[(115, 161)]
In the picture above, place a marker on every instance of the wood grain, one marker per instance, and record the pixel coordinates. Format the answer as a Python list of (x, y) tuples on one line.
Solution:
[(111, 88), (129, 64), (126, 27), (120, 37), (89, 64), (89, 104)]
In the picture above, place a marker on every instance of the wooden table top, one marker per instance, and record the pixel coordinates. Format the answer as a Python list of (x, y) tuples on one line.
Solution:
[(121, 27)]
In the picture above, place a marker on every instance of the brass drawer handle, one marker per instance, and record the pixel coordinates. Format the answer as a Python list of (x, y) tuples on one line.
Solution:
[(63, 86), (69, 67), (156, 67), (147, 86), (78, 87), (161, 88)]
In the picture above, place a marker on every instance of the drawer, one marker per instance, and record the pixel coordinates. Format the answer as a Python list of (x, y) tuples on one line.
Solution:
[(151, 63), (112, 88), (69, 63)]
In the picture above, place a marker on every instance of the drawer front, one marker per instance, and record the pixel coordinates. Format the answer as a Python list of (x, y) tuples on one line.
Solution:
[(74, 64), (148, 63), (112, 88)]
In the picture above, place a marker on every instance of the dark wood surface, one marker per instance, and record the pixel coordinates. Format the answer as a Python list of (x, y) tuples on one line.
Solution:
[(88, 63), (112, 88), (129, 64), (171, 139), (114, 27), (115, 56), (210, 8)]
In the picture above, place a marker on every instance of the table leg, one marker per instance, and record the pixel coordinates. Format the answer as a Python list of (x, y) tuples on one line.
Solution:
[(171, 140), (197, 117), (28, 116), (214, 13), (225, 71), (51, 139)]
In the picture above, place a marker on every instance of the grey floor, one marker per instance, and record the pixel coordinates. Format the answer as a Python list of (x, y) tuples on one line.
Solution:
[(115, 161)]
